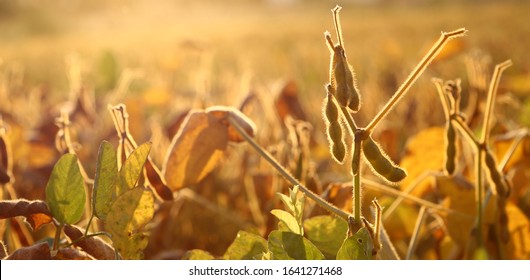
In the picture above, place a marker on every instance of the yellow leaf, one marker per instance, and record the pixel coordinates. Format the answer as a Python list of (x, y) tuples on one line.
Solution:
[(424, 152), (518, 246), (195, 150)]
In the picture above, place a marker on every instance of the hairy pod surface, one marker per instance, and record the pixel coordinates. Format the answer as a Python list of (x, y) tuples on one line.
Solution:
[(381, 163), (498, 181), (342, 80), (334, 129), (450, 149)]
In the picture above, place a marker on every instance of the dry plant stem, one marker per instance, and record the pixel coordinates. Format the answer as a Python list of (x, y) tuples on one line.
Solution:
[(414, 239), (320, 201), (338, 28), (492, 93), (409, 189), (427, 59), (377, 186), (479, 196), (512, 149)]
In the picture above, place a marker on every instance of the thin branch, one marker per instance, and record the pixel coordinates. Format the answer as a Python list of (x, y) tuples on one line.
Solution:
[(492, 92), (319, 200), (427, 59), (416, 233)]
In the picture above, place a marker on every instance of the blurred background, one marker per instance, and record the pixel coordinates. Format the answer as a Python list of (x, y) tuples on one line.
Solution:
[(162, 58)]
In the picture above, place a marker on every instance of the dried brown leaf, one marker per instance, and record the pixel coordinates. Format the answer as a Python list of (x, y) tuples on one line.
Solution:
[(195, 150), (288, 104), (223, 112), (94, 246), (36, 211), (154, 176), (39, 251), (71, 254)]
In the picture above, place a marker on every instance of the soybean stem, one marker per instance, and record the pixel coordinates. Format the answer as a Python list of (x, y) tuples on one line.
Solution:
[(320, 201), (427, 59), (492, 92)]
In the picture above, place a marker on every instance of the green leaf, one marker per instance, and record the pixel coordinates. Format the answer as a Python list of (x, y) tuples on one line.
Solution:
[(125, 221), (327, 233), (287, 201), (105, 180), (287, 219), (65, 191), (286, 245), (356, 247), (132, 168), (197, 255), (246, 246)]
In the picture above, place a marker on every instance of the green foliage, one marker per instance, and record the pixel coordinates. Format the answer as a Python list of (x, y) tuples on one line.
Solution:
[(327, 233), (128, 215), (246, 246), (357, 247), (132, 168), (288, 220), (295, 204), (105, 180), (285, 245), (65, 191)]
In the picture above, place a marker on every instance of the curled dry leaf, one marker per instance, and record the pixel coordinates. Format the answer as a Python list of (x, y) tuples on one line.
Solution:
[(195, 150), (71, 254), (36, 212), (94, 246), (223, 112), (288, 104), (39, 251), (156, 180), (200, 143)]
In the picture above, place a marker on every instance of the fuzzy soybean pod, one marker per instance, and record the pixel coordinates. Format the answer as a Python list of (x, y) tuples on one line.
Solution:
[(498, 181), (450, 149), (334, 129), (343, 81), (381, 163)]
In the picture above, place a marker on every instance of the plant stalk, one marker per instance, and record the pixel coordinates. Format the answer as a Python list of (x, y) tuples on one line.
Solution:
[(320, 201), (427, 59)]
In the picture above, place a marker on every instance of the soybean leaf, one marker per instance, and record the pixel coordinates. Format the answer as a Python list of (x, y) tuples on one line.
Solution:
[(287, 219), (290, 246), (39, 251), (327, 233), (36, 211), (197, 255), (105, 180), (132, 168), (195, 150), (65, 191), (125, 221), (287, 201), (356, 247), (246, 246)]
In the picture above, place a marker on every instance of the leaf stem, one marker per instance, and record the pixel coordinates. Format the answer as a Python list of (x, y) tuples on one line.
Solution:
[(427, 59), (416, 232), (57, 239), (357, 183), (320, 201), (490, 103)]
